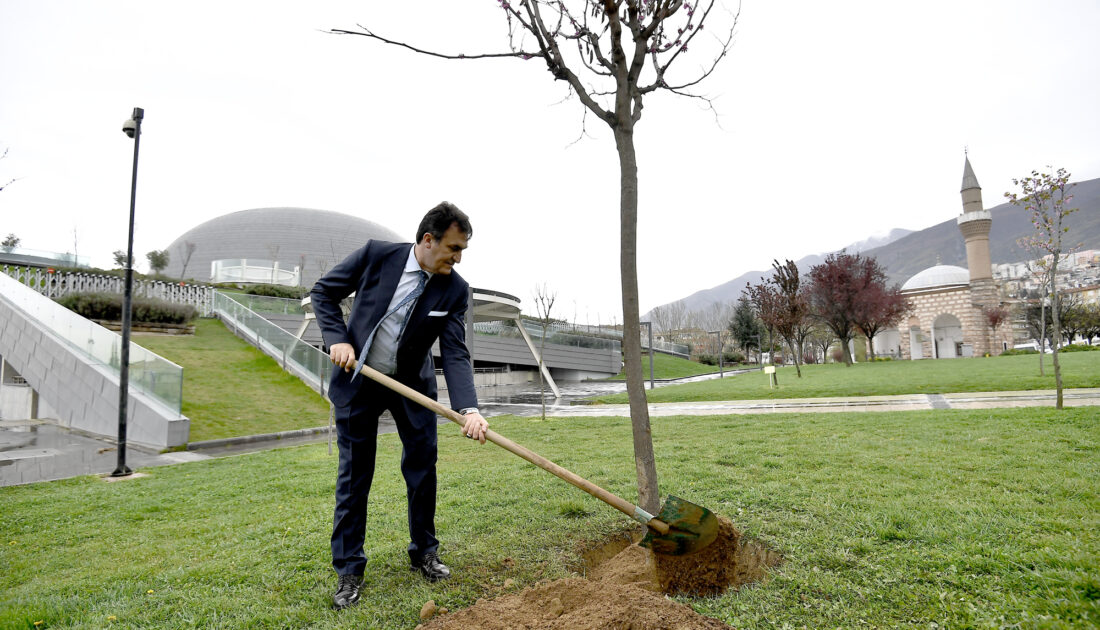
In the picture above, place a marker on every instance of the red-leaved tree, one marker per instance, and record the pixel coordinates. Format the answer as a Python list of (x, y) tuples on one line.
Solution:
[(612, 54), (848, 292), (879, 306), (995, 316), (768, 304), (834, 295)]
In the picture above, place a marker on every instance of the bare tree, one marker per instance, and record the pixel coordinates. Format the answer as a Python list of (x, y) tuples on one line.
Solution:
[(187, 249), (714, 317), (10, 181), (544, 303), (670, 319), (794, 307), (1046, 196), (612, 54)]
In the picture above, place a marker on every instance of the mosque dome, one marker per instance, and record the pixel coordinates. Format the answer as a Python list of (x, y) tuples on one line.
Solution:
[(939, 276), (313, 239)]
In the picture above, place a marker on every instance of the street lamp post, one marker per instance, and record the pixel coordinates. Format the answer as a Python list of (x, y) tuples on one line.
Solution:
[(131, 128)]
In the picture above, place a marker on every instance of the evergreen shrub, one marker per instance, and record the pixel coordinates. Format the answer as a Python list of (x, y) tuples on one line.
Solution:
[(108, 307)]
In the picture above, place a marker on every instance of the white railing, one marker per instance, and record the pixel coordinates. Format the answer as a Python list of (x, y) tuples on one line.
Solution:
[(266, 303), (59, 284), (554, 334), (294, 355), (152, 374), (250, 270), (601, 331)]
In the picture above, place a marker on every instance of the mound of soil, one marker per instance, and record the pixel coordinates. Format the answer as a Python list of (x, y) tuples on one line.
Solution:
[(577, 604), (625, 592)]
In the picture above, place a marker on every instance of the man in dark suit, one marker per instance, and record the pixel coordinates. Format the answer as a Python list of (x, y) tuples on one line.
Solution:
[(406, 297)]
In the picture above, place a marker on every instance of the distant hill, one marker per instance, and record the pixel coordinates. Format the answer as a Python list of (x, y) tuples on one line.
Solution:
[(918, 251), (905, 253), (730, 291)]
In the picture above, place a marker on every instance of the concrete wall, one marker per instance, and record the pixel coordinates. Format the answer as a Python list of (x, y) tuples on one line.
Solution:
[(82, 395)]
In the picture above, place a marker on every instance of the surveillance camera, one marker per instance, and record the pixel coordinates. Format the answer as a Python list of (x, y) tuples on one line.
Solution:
[(129, 127)]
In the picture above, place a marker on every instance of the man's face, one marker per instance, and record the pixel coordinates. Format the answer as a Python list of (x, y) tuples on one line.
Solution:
[(441, 255)]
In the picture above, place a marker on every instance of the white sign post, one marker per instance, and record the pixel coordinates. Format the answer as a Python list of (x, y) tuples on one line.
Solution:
[(770, 371)]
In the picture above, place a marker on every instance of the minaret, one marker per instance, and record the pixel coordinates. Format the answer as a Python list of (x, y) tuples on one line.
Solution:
[(974, 223)]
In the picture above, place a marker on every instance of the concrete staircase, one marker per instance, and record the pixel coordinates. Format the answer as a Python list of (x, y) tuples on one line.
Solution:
[(51, 350)]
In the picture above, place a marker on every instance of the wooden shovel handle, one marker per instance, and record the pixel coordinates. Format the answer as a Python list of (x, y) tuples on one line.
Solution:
[(614, 501)]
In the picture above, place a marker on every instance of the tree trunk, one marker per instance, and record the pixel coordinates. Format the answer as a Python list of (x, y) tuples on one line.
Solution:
[(1057, 331), (1042, 332), (796, 350), (870, 349), (648, 496)]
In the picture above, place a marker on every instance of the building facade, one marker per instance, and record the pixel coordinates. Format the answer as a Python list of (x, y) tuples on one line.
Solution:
[(948, 318)]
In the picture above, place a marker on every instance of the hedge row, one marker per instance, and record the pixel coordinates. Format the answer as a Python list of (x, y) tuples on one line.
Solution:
[(269, 290), (108, 306)]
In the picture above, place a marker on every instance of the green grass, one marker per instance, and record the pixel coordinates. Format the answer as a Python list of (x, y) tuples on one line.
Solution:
[(232, 389), (961, 519), (668, 366), (1081, 369)]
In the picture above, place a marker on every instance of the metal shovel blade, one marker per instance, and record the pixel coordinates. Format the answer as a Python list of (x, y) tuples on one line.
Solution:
[(690, 528)]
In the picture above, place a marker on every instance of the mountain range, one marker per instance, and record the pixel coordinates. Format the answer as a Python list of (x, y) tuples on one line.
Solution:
[(904, 253)]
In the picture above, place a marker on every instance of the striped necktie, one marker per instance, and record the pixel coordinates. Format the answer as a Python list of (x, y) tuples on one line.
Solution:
[(415, 293)]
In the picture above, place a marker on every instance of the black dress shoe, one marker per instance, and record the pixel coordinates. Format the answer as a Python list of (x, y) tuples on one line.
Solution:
[(431, 567), (347, 591)]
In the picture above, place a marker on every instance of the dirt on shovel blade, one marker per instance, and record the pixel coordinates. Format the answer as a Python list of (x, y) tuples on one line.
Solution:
[(626, 591)]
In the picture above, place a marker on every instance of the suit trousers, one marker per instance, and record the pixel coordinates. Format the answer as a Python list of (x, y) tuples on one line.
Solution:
[(357, 433)]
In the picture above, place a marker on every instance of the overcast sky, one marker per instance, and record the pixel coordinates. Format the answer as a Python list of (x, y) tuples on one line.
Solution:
[(838, 121)]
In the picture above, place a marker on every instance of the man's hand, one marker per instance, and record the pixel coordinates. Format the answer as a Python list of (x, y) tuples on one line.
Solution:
[(475, 426), (342, 355)]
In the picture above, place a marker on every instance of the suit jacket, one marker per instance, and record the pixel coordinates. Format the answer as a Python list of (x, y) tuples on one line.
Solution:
[(372, 273)]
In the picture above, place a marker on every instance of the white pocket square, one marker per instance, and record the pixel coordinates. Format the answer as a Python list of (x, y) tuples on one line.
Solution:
[(437, 313)]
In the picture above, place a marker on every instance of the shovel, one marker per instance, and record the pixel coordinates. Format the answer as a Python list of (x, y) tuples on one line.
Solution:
[(680, 528)]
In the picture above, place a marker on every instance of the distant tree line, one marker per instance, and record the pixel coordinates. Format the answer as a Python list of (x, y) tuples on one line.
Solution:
[(803, 314)]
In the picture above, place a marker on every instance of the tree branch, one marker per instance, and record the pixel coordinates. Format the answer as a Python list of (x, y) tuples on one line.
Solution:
[(367, 33)]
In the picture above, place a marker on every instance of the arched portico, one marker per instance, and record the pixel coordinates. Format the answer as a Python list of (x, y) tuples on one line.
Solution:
[(947, 336)]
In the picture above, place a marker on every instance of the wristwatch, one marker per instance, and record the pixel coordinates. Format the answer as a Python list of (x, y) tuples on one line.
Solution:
[(468, 410)]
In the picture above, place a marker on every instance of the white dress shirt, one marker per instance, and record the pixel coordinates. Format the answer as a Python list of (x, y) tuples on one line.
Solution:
[(383, 350)]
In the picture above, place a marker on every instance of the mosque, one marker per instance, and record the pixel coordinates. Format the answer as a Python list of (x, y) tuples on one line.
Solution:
[(948, 319)]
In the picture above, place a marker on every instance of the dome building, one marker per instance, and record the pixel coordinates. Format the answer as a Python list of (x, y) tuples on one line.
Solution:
[(277, 240), (949, 303)]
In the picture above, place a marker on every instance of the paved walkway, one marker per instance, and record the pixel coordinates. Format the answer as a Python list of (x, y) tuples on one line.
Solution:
[(37, 450)]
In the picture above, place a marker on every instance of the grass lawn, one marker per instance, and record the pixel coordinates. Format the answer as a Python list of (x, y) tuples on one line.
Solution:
[(668, 366), (961, 519), (930, 376), (232, 389)]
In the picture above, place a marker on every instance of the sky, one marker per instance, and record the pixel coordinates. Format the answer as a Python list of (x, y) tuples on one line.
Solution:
[(835, 121)]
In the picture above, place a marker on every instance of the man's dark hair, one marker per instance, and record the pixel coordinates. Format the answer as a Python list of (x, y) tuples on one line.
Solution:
[(440, 218)]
